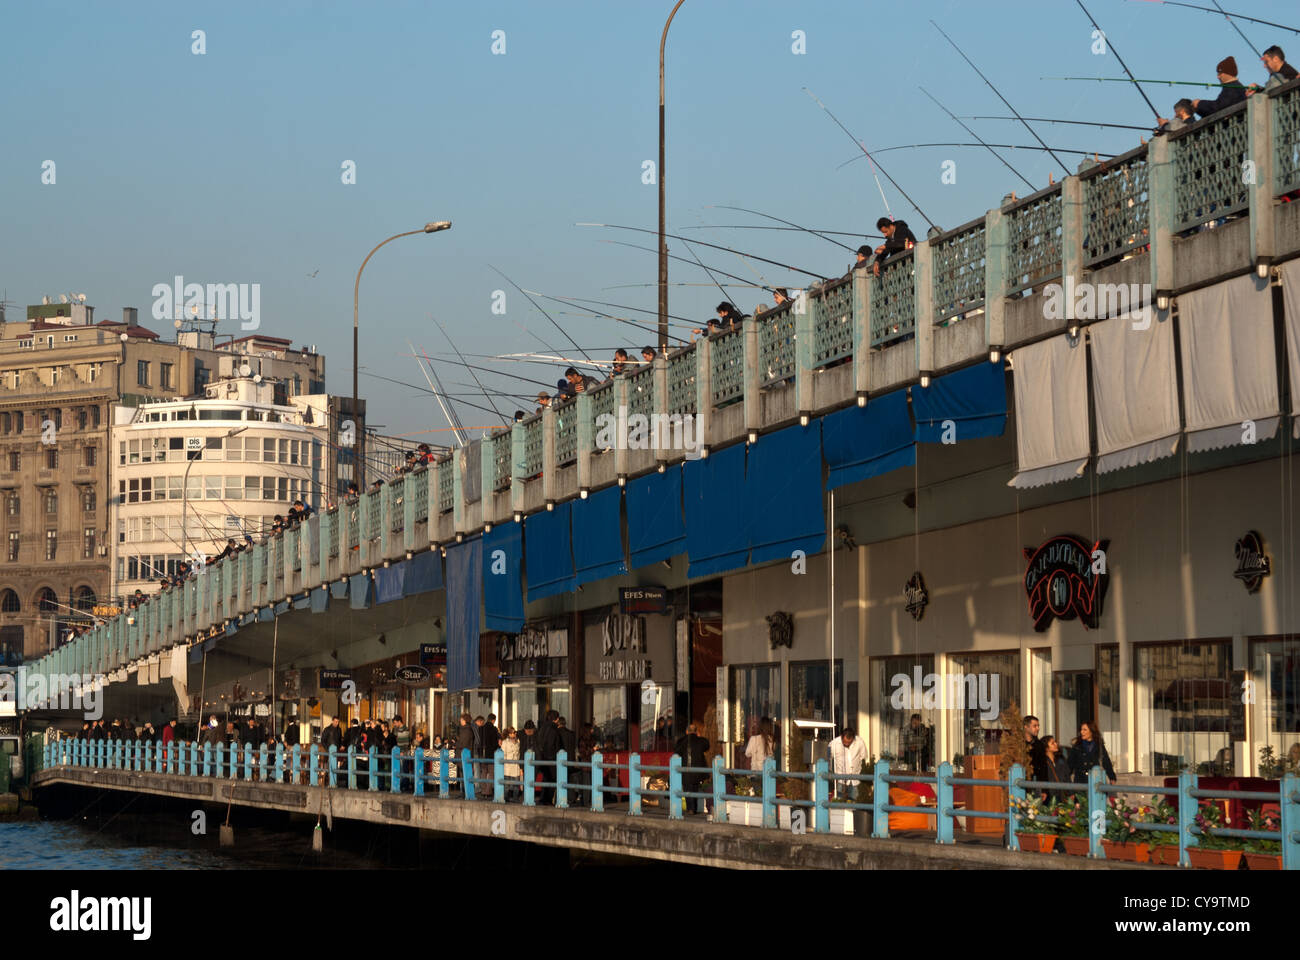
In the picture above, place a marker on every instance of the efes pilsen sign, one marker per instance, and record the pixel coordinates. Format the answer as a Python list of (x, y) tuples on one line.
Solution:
[(1065, 579)]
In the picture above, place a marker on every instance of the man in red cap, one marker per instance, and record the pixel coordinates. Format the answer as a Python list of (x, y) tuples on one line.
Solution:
[(1232, 93)]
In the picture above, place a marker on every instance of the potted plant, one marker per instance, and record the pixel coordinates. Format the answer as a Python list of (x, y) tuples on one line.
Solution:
[(745, 812), (1213, 852), (1163, 843), (849, 821), (1072, 824), (791, 788), (1122, 839), (1263, 854), (1034, 835)]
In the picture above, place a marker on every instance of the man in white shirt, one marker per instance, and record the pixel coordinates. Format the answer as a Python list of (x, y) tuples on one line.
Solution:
[(848, 752)]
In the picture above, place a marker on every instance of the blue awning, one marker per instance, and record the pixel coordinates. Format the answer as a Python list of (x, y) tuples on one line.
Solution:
[(389, 581), (717, 526), (655, 528), (360, 591), (548, 551), (503, 582), (464, 593), (784, 493), (281, 608), (339, 589), (320, 600), (423, 573), (303, 602), (863, 442), (974, 399), (598, 536)]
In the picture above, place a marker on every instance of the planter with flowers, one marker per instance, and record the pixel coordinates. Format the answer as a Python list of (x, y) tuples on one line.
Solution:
[(1213, 852), (1034, 835), (1163, 843), (1072, 824), (1123, 840), (1263, 854), (747, 813)]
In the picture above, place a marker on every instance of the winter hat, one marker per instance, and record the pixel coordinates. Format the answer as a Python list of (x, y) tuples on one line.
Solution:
[(1228, 65)]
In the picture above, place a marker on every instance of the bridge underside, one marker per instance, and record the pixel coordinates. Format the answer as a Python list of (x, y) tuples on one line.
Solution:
[(693, 842)]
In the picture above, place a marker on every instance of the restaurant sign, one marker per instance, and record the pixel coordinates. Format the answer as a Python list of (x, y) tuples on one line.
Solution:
[(1065, 580), (1252, 565), (412, 673), (334, 679), (642, 600)]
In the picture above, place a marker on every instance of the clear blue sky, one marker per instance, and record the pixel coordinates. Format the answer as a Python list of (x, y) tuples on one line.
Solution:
[(226, 167)]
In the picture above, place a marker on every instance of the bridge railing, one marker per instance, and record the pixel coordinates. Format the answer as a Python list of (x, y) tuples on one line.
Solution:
[(395, 771)]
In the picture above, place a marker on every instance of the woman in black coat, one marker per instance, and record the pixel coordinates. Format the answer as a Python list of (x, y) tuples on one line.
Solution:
[(1087, 751)]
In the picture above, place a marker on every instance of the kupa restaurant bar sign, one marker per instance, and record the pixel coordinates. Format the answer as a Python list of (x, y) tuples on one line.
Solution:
[(1252, 565), (1065, 579)]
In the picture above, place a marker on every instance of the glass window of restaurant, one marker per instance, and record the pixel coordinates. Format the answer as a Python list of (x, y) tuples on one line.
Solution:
[(810, 699), (979, 687), (1183, 697), (755, 693), (656, 717), (1108, 698), (609, 715), (897, 700), (1275, 672)]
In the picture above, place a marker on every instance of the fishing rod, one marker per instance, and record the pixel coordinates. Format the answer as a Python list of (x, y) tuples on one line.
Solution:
[(446, 411), (572, 300), (1081, 123), (726, 297), (715, 246), (1168, 83), (788, 223), (453, 417), (990, 149), (1004, 146), (1230, 16), (1233, 23), (764, 226), (472, 373), (416, 386), (544, 313), (744, 281), (680, 283), (872, 161), (458, 363), (1004, 100), (1112, 48)]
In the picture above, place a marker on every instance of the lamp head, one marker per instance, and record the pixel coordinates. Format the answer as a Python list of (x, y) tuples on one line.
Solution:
[(437, 225)]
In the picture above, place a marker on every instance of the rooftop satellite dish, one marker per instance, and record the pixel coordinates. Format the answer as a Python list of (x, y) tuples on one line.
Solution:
[(81, 298), (258, 378), (124, 338), (245, 370), (176, 323), (63, 298)]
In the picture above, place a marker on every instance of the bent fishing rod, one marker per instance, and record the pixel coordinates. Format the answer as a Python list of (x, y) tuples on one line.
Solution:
[(988, 147), (1123, 65), (543, 312), (743, 281), (1002, 146), (1225, 13), (1080, 123), (715, 246), (788, 223)]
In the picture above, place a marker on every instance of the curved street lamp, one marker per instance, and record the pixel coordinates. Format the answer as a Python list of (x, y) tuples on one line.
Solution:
[(663, 246), (433, 227)]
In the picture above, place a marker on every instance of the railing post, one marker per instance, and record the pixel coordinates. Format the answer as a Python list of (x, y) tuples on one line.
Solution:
[(751, 378), (352, 766), (943, 801), (585, 436), (1015, 794), (562, 780), (923, 304), (499, 776), (373, 777), (996, 238), (443, 763), (419, 753), (1071, 235), (262, 755), (1187, 807), (518, 454), (675, 798), (703, 389), (139, 756), (457, 464), (207, 759), (248, 762), (634, 785), (530, 779), (821, 797), (804, 341), (719, 791), (1096, 802), (597, 783), (332, 771), (395, 772), (1161, 211), (1259, 188), (621, 391), (769, 793), (861, 330), (550, 482), (1289, 821), (279, 763), (467, 775), (879, 798)]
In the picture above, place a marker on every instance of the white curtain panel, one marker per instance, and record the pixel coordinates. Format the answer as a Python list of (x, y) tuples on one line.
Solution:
[(1291, 303), (1051, 380), (1229, 364), (179, 674), (1134, 391)]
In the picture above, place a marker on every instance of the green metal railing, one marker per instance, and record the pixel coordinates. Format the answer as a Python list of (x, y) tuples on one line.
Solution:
[(532, 464), (958, 259), (1034, 240), (397, 495), (641, 392), (1116, 204), (1207, 160), (893, 302), (566, 432), (446, 485), (501, 448), (604, 403), (832, 322), (681, 381), (1286, 139), (776, 359), (727, 351), (417, 488)]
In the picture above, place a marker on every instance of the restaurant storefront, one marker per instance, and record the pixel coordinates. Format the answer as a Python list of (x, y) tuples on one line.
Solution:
[(630, 669)]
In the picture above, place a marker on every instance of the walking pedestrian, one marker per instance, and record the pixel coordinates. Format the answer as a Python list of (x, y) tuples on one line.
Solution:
[(549, 744), (513, 771), (848, 752), (692, 748), (1088, 751)]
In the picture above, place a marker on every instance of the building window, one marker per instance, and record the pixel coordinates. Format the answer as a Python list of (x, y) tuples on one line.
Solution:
[(13, 546), (18, 419), (904, 724), (974, 727), (58, 418), (88, 500), (6, 422), (1108, 695), (14, 504), (94, 411), (87, 543), (9, 602), (142, 372), (166, 378), (755, 693), (51, 500), (1275, 670), (81, 418), (811, 699), (1184, 704), (235, 448), (15, 459), (212, 488), (52, 459), (88, 456), (51, 544), (85, 599)]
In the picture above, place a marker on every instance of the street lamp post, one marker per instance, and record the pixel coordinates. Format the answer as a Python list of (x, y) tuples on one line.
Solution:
[(433, 227), (663, 245)]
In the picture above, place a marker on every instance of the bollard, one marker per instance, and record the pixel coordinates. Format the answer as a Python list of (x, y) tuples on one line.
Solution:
[(597, 783), (769, 793), (943, 820), (561, 780), (821, 794), (634, 785), (675, 798), (719, 790)]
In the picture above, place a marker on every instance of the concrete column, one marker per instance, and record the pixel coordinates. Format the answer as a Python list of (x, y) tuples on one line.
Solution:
[(620, 411), (1160, 213), (703, 389), (431, 478), (660, 405), (862, 330), (1071, 229), (550, 487), (457, 465), (586, 436), (751, 379), (516, 458), (923, 299), (487, 462), (995, 278), (1259, 180), (805, 316)]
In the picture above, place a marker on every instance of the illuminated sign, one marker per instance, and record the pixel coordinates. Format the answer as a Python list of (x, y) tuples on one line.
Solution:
[(1252, 565), (1065, 580)]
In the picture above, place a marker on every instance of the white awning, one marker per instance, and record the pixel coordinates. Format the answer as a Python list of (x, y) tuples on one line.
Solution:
[(1051, 380), (1290, 272), (1134, 391), (1229, 364)]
